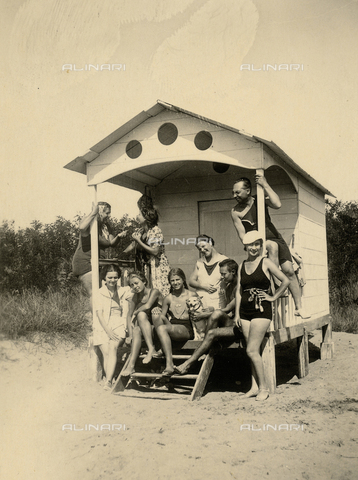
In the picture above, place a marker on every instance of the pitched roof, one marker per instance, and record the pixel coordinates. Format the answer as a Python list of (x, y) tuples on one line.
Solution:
[(79, 163)]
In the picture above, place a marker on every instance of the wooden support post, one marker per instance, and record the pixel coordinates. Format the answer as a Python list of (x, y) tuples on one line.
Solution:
[(327, 346), (261, 223), (121, 382), (303, 357), (94, 255), (94, 364), (203, 376), (269, 362), (95, 361)]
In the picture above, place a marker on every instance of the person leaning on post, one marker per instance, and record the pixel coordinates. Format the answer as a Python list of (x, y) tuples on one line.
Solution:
[(81, 263), (245, 218)]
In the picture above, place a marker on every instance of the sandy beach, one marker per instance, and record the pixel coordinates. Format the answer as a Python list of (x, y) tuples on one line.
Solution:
[(58, 424)]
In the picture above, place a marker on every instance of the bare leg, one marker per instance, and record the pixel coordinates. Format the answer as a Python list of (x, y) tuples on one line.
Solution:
[(209, 339), (218, 319), (254, 332), (109, 351), (146, 329), (86, 281), (112, 358), (294, 287), (104, 350), (136, 346), (165, 334), (272, 250)]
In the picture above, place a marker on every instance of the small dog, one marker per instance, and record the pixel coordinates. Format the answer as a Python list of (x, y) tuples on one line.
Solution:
[(195, 305)]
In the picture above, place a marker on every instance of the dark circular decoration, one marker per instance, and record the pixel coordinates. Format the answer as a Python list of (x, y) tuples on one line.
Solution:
[(220, 167), (167, 133), (203, 140), (134, 149)]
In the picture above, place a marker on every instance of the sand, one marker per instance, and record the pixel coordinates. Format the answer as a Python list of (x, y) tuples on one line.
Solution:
[(307, 430)]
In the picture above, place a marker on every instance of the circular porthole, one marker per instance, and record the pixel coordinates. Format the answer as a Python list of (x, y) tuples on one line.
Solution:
[(220, 167), (203, 140), (167, 133), (134, 149)]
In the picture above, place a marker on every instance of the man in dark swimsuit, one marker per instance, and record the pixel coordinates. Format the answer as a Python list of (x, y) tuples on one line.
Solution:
[(244, 217), (221, 322)]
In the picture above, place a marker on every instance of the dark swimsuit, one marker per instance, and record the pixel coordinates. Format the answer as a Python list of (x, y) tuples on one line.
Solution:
[(249, 221), (155, 306), (251, 306), (179, 315)]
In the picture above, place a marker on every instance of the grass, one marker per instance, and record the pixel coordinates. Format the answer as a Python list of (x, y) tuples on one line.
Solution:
[(344, 318), (55, 315), (48, 315)]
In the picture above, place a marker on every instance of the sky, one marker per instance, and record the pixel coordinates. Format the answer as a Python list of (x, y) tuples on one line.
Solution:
[(206, 56)]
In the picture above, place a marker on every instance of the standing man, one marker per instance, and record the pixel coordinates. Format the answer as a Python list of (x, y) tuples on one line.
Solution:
[(244, 216)]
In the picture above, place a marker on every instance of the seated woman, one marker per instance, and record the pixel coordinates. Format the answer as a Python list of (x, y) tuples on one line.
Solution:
[(179, 326), (110, 323), (254, 306), (144, 313)]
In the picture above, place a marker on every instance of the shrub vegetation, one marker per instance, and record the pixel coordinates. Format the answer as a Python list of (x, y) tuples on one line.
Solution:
[(39, 294)]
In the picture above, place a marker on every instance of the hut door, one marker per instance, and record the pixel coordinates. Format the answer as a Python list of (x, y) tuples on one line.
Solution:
[(215, 221)]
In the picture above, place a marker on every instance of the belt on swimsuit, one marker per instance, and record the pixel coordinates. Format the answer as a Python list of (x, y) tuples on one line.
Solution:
[(254, 296)]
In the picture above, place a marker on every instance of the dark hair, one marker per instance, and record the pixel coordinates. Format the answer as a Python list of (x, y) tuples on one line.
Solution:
[(106, 220), (246, 181), (105, 204), (139, 275), (151, 216), (146, 207), (180, 273), (230, 264), (109, 268), (145, 201), (204, 238)]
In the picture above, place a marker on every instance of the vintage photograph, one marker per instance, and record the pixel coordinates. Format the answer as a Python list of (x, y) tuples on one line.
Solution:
[(179, 240)]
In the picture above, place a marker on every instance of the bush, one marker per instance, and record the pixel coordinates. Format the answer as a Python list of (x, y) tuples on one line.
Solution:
[(344, 318), (342, 246), (49, 313), (40, 256)]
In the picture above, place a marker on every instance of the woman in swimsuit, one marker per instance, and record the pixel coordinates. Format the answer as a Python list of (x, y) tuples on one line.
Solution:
[(206, 279), (144, 312), (179, 326), (254, 306)]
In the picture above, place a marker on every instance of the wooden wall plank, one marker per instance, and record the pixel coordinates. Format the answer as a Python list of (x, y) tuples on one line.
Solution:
[(313, 229), (311, 213)]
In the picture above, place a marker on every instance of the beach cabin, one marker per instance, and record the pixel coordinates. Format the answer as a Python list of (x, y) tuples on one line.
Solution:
[(188, 164)]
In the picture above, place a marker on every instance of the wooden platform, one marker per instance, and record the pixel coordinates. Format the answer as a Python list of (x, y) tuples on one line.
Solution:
[(197, 382)]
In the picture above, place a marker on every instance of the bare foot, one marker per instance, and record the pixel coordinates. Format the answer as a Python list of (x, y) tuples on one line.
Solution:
[(158, 354), (253, 392), (302, 313), (149, 356), (107, 386), (168, 372), (182, 369), (128, 371), (263, 395)]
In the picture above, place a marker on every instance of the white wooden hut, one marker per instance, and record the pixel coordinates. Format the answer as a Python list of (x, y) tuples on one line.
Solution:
[(188, 164)]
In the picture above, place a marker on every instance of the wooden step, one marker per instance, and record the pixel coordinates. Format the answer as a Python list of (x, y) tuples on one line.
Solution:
[(158, 375), (175, 357)]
